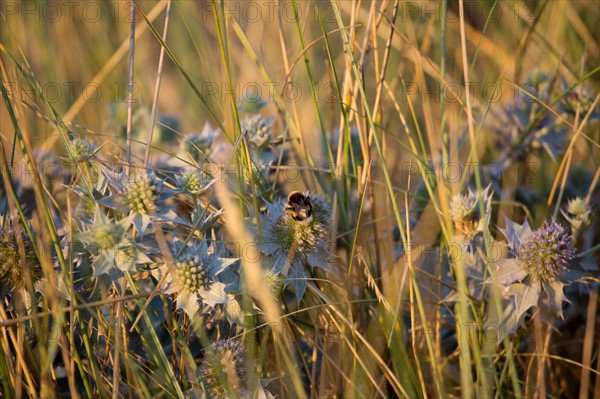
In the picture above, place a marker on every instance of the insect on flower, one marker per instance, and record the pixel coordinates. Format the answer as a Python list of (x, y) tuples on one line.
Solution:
[(299, 206)]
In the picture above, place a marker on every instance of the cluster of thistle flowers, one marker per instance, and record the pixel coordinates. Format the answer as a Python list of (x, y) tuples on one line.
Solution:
[(538, 266), (19, 263), (293, 246), (257, 131), (117, 235)]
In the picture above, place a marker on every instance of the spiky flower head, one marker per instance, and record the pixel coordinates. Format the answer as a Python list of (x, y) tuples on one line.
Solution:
[(82, 150), (544, 262), (194, 181), (191, 272), (462, 207), (577, 213), (140, 193), (109, 235), (546, 253), (16, 255), (199, 145), (293, 238), (579, 98), (465, 211), (111, 247), (224, 370), (258, 131), (273, 279), (196, 280), (303, 225), (578, 208)]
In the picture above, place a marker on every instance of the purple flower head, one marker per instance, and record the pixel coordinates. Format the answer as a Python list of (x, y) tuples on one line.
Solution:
[(546, 253)]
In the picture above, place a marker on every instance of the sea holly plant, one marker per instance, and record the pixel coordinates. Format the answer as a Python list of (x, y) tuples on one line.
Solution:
[(110, 245), (466, 214), (577, 213), (468, 248), (193, 182), (194, 279), (224, 372), (580, 99), (294, 241), (143, 196), (83, 150), (259, 132), (199, 146), (544, 261), (528, 122)]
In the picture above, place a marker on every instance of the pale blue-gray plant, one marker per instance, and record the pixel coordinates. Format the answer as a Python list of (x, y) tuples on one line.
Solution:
[(194, 281), (143, 196), (577, 213), (199, 145), (544, 261), (466, 213), (194, 182), (251, 103), (259, 132), (292, 247), (83, 150), (110, 244), (578, 99)]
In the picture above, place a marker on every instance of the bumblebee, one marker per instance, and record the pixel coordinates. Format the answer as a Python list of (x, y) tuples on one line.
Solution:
[(299, 206)]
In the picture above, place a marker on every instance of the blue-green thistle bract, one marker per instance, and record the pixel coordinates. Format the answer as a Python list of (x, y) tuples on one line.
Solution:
[(194, 277), (143, 196)]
